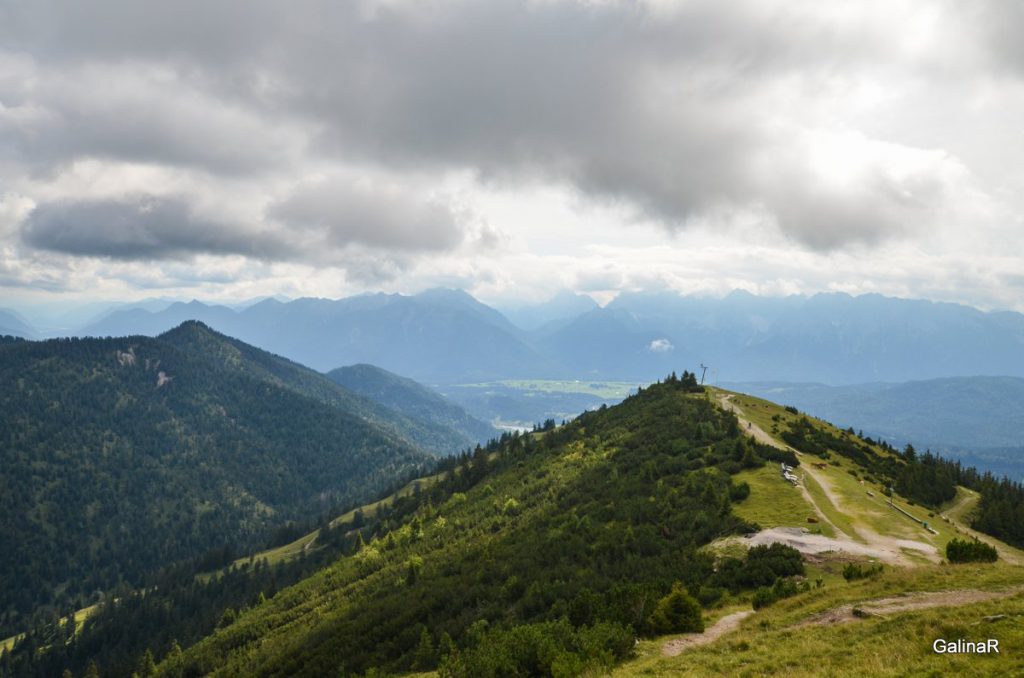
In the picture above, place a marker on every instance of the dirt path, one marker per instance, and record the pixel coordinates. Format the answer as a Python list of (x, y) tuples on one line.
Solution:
[(864, 541), (762, 437), (915, 601), (955, 511), (879, 607), (725, 400), (726, 624)]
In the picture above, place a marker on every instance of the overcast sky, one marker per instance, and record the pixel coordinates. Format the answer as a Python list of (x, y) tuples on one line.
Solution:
[(196, 149)]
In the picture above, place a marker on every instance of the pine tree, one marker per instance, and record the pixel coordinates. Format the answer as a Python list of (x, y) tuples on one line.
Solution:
[(147, 667), (677, 612), (447, 646), (750, 459), (425, 658)]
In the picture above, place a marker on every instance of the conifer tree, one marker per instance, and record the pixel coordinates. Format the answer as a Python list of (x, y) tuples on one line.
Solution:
[(425, 657), (147, 667)]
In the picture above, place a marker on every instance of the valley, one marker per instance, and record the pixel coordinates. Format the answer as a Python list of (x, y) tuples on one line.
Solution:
[(513, 404)]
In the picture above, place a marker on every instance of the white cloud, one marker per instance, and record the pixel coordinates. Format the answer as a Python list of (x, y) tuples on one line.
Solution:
[(513, 147), (660, 346)]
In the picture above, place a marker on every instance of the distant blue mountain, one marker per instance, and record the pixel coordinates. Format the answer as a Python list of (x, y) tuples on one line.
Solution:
[(448, 337), (436, 336), (13, 324), (829, 338), (149, 323), (550, 314)]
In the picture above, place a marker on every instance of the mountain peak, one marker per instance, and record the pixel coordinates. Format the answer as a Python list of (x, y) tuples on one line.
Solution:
[(188, 326), (189, 330)]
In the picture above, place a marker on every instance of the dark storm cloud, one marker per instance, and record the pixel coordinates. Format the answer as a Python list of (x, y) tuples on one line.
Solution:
[(320, 223), (144, 228), (673, 114)]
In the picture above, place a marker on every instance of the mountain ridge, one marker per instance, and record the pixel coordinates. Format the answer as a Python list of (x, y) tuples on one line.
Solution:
[(145, 440), (447, 337), (412, 399), (433, 436), (511, 494)]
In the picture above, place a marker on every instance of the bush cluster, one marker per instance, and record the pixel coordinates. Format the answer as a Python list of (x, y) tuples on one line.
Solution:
[(855, 571), (963, 551)]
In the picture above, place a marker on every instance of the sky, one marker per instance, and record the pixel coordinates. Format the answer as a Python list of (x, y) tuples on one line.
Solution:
[(219, 150)]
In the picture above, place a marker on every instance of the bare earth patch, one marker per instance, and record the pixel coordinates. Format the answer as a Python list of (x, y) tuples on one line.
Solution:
[(882, 547), (726, 624), (912, 601)]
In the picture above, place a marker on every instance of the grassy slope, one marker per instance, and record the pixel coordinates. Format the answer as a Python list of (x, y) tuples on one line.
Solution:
[(306, 542), (773, 502), (777, 503), (767, 642), (895, 644), (80, 617), (468, 544)]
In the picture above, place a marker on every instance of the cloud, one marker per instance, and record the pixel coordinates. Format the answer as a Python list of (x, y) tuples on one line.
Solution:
[(141, 227), (671, 109), (338, 224), (338, 213), (134, 112), (324, 135), (660, 346)]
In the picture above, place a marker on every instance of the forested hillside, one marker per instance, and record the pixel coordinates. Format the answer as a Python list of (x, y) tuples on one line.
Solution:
[(434, 434), (412, 399), (560, 543), (124, 455), (544, 553)]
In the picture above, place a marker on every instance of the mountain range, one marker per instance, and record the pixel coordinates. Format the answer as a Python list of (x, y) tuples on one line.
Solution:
[(448, 337), (432, 337)]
